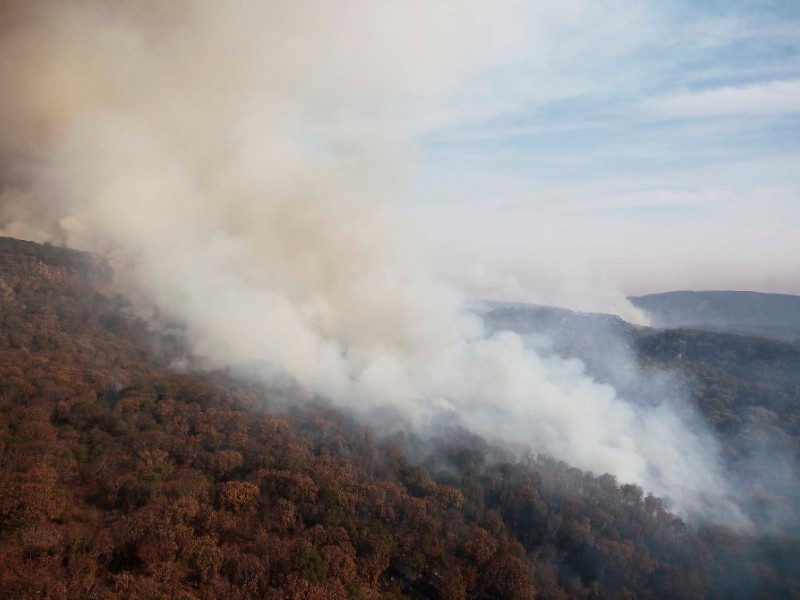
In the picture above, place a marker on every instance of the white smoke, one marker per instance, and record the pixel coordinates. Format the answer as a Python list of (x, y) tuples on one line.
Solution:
[(242, 158)]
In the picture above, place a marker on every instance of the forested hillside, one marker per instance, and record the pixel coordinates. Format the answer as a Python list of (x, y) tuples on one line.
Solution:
[(121, 477)]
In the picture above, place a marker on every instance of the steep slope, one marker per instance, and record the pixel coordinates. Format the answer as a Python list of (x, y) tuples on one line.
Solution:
[(120, 478)]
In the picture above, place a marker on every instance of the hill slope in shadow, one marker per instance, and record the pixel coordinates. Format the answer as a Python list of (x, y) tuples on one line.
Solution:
[(750, 313)]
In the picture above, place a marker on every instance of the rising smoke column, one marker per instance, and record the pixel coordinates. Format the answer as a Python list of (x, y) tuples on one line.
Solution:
[(239, 162)]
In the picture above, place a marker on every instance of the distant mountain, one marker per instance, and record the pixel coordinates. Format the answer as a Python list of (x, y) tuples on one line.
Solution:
[(775, 316)]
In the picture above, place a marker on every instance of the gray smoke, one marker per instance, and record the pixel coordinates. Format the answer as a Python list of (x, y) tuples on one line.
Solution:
[(238, 162)]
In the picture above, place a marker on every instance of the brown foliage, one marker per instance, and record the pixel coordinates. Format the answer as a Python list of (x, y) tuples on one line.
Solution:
[(120, 478)]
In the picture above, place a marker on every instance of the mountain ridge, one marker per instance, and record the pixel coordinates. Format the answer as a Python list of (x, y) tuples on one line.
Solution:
[(749, 313)]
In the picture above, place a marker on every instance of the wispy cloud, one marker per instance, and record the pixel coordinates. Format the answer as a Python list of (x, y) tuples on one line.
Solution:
[(765, 98), (657, 198)]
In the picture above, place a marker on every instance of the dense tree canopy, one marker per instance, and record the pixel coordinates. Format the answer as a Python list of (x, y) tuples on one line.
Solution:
[(123, 478)]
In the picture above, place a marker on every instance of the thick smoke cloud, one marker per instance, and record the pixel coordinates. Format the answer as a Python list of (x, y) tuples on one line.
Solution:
[(238, 162)]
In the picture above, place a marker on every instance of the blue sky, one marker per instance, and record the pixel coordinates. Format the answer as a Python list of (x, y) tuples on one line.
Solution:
[(560, 151), (674, 126)]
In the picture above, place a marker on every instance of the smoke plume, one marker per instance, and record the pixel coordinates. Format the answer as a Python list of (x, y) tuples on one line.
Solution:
[(239, 161)]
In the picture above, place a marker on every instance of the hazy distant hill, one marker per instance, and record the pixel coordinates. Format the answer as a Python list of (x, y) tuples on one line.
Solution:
[(752, 369), (747, 387), (753, 313)]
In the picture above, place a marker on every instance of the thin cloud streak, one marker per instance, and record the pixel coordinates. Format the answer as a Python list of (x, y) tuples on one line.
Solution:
[(765, 98)]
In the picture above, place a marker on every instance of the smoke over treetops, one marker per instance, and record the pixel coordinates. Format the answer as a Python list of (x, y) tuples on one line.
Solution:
[(238, 161)]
